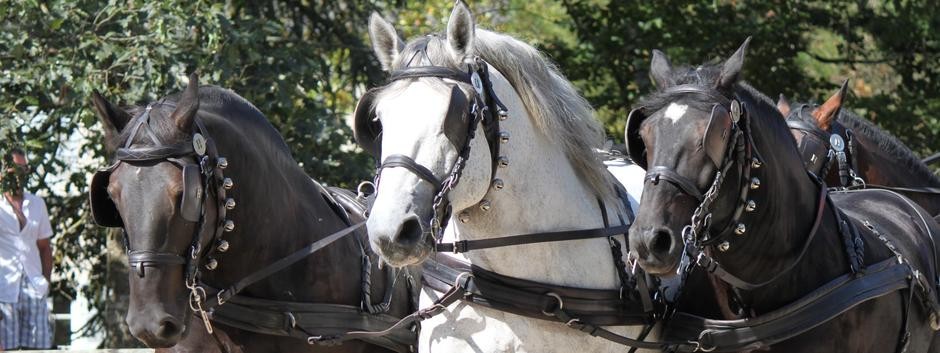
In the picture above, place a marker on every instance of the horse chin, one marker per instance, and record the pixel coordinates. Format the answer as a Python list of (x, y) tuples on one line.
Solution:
[(399, 255), (659, 267)]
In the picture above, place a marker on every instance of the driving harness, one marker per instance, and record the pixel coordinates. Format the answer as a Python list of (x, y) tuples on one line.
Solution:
[(202, 169), (537, 300)]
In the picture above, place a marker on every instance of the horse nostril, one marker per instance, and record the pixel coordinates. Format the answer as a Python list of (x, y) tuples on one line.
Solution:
[(169, 327), (410, 232), (661, 241)]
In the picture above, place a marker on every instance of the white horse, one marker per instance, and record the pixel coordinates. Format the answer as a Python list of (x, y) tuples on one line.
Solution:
[(551, 181)]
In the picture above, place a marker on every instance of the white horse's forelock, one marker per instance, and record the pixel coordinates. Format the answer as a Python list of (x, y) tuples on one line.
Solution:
[(551, 101)]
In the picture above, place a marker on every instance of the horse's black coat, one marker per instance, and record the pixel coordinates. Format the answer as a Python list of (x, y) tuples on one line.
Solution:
[(778, 228), (280, 209)]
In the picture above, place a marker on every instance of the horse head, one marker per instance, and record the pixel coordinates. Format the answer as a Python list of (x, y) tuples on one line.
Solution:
[(681, 135), (418, 127), (817, 132), (154, 191)]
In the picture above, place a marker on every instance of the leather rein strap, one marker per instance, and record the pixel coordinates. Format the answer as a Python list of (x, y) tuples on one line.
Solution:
[(535, 238)]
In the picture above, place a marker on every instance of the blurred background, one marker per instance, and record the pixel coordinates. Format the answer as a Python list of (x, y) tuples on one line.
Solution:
[(305, 62)]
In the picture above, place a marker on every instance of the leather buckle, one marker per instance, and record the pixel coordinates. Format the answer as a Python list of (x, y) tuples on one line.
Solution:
[(460, 246)]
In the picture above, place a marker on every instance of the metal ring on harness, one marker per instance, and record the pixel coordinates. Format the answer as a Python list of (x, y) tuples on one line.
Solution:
[(561, 303), (461, 275)]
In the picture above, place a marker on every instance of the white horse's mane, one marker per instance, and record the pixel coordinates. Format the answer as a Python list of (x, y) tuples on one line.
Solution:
[(552, 102)]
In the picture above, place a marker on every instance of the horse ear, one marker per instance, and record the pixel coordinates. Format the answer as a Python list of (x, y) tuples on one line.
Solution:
[(829, 111), (661, 70), (460, 28), (783, 105), (188, 104), (112, 118), (732, 67), (385, 41)]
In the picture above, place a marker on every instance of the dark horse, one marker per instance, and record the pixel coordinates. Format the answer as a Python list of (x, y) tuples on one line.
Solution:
[(163, 190), (877, 156), (719, 150)]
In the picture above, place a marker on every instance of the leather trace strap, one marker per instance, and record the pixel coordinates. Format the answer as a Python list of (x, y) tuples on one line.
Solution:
[(227, 293), (478, 244)]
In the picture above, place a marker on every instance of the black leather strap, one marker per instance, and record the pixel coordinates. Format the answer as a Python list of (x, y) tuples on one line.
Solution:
[(818, 307), (403, 161), (529, 298), (477, 244), (429, 71), (151, 153), (712, 266), (227, 293), (657, 173), (326, 324)]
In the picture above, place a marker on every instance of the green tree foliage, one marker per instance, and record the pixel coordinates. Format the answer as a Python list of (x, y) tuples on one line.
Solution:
[(301, 62), (804, 49)]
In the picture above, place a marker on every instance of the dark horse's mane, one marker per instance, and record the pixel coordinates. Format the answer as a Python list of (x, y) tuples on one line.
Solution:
[(888, 143), (219, 106), (706, 76)]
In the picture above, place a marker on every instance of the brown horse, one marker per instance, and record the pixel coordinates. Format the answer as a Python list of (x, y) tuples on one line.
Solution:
[(870, 153), (187, 241)]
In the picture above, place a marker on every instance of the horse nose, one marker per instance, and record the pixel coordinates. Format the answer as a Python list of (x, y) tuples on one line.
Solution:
[(659, 241), (162, 333), (169, 329), (410, 231)]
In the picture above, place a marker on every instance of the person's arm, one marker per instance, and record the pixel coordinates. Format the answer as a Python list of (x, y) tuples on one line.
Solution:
[(45, 257)]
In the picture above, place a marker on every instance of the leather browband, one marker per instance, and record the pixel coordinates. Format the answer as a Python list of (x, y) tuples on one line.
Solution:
[(429, 71)]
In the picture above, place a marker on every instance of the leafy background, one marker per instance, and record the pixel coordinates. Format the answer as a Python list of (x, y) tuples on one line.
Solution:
[(305, 62)]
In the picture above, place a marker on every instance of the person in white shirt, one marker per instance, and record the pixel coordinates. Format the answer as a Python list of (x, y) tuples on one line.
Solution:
[(25, 259)]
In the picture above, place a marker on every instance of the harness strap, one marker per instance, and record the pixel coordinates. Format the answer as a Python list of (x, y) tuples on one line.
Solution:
[(477, 244), (919, 190), (712, 266), (823, 304), (429, 71), (316, 323), (403, 161), (657, 173), (227, 293)]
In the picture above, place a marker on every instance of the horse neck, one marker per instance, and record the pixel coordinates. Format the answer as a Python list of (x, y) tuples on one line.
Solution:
[(542, 193), (777, 230), (279, 210), (880, 167)]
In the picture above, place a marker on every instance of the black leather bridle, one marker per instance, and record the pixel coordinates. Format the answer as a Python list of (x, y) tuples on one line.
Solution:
[(202, 169), (839, 144), (483, 108)]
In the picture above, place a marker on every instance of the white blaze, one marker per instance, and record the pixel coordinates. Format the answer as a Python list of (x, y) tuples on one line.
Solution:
[(675, 112)]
